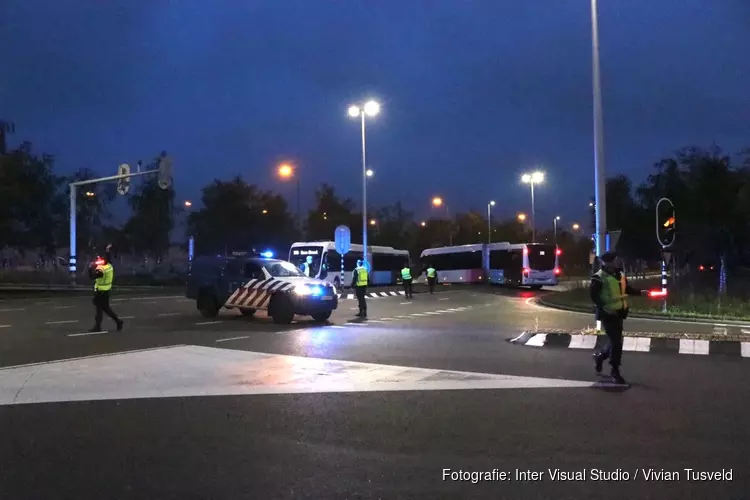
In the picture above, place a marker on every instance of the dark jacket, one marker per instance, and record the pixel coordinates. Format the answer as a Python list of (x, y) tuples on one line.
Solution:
[(595, 291)]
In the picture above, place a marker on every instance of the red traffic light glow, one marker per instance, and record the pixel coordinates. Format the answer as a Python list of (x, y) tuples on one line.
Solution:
[(669, 222), (657, 294)]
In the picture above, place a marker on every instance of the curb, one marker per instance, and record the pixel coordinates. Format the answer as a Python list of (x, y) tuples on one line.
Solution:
[(635, 343), (687, 319)]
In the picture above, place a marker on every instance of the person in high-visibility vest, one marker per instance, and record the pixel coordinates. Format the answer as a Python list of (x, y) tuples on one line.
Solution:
[(609, 291), (359, 283), (431, 277), (406, 279), (103, 275)]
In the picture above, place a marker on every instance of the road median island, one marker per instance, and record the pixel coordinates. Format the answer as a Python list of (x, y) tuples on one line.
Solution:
[(680, 306)]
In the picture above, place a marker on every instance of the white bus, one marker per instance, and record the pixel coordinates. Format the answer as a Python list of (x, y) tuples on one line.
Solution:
[(523, 264), (385, 268), (459, 264)]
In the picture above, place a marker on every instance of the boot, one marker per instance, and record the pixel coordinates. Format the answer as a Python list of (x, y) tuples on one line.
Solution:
[(120, 323), (617, 378), (598, 362)]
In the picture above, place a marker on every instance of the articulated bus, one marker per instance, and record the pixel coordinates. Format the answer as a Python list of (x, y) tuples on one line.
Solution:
[(523, 264), (385, 269), (461, 264)]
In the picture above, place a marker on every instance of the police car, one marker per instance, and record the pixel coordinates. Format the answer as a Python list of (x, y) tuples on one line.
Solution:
[(258, 283)]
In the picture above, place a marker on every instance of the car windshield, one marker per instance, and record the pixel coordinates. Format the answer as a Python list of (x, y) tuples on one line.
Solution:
[(282, 269)]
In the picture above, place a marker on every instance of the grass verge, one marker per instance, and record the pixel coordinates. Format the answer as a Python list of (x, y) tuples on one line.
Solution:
[(679, 305)]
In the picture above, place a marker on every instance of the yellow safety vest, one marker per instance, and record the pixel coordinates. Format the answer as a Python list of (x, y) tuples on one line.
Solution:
[(405, 274), (361, 274), (104, 284), (613, 294), (430, 272)]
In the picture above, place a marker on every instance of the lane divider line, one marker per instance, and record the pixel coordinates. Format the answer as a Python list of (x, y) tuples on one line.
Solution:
[(233, 338), (208, 323), (13, 309), (5, 326), (168, 314), (445, 298), (127, 317), (86, 333), (63, 307), (404, 303), (62, 322)]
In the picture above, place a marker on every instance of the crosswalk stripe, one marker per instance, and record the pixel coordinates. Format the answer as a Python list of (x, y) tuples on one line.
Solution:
[(582, 341), (693, 346)]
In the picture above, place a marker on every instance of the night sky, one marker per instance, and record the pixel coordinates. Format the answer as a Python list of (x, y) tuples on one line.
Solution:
[(474, 93)]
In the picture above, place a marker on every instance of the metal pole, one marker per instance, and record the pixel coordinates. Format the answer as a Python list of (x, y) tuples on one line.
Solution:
[(72, 263), (341, 281), (664, 284), (489, 224), (599, 173), (364, 193), (533, 214), (554, 221)]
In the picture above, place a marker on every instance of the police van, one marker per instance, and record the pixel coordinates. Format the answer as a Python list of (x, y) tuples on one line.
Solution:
[(253, 283)]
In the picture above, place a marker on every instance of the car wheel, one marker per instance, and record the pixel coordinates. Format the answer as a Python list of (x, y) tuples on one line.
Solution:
[(208, 305), (281, 310), (321, 317), (246, 311)]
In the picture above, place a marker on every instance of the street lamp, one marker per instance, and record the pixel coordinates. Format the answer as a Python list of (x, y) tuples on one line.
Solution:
[(554, 221), (599, 174), (265, 212), (90, 194), (286, 171), (489, 221), (576, 227), (531, 179), (438, 202), (370, 108), (369, 172), (188, 203), (424, 224), (373, 222), (521, 217)]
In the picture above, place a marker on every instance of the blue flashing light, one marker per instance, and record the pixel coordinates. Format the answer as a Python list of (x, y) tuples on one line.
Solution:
[(316, 290), (267, 254)]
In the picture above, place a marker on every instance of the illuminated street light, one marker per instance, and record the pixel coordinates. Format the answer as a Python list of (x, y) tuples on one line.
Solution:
[(369, 172), (286, 172), (521, 217), (489, 220), (531, 179), (369, 108), (424, 224), (90, 194), (265, 212), (188, 203), (372, 222), (576, 227), (437, 201)]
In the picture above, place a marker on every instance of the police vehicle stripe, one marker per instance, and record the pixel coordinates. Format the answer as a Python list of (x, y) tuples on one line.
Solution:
[(249, 297), (257, 301)]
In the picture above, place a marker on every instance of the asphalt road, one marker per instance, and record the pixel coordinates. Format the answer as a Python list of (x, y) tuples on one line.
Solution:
[(177, 406)]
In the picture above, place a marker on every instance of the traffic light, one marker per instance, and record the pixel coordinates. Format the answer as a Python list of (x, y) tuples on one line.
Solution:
[(665, 223), (165, 171)]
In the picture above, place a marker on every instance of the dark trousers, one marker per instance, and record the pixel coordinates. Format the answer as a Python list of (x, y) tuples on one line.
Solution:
[(431, 284), (361, 291), (612, 326), (101, 301), (407, 287)]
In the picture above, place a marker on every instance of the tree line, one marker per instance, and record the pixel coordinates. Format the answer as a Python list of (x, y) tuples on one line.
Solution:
[(711, 192)]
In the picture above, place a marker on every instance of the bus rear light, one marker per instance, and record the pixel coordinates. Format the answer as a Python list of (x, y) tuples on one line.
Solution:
[(557, 271), (525, 271)]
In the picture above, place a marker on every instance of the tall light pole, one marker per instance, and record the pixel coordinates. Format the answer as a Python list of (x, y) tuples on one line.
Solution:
[(370, 108), (287, 171), (554, 221), (531, 179), (599, 173), (489, 221), (437, 202)]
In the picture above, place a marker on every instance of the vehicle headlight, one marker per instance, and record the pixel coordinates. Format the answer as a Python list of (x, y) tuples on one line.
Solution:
[(302, 290)]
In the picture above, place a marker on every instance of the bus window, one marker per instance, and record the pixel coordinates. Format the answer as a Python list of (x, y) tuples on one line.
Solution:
[(298, 256), (542, 257)]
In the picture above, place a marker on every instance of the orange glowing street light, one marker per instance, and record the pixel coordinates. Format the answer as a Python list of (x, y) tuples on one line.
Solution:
[(286, 172), (437, 201), (372, 222), (521, 217), (576, 227), (424, 224)]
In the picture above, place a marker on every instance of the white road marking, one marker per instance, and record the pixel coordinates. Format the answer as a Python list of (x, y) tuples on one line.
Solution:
[(233, 338), (418, 314), (354, 309), (151, 302), (386, 319), (208, 323), (745, 347), (337, 326), (5, 326), (404, 303), (375, 321), (720, 330), (582, 341), (445, 298), (693, 346), (87, 333), (14, 309), (354, 323), (127, 317), (638, 344), (62, 322), (63, 307), (433, 312), (168, 314)]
